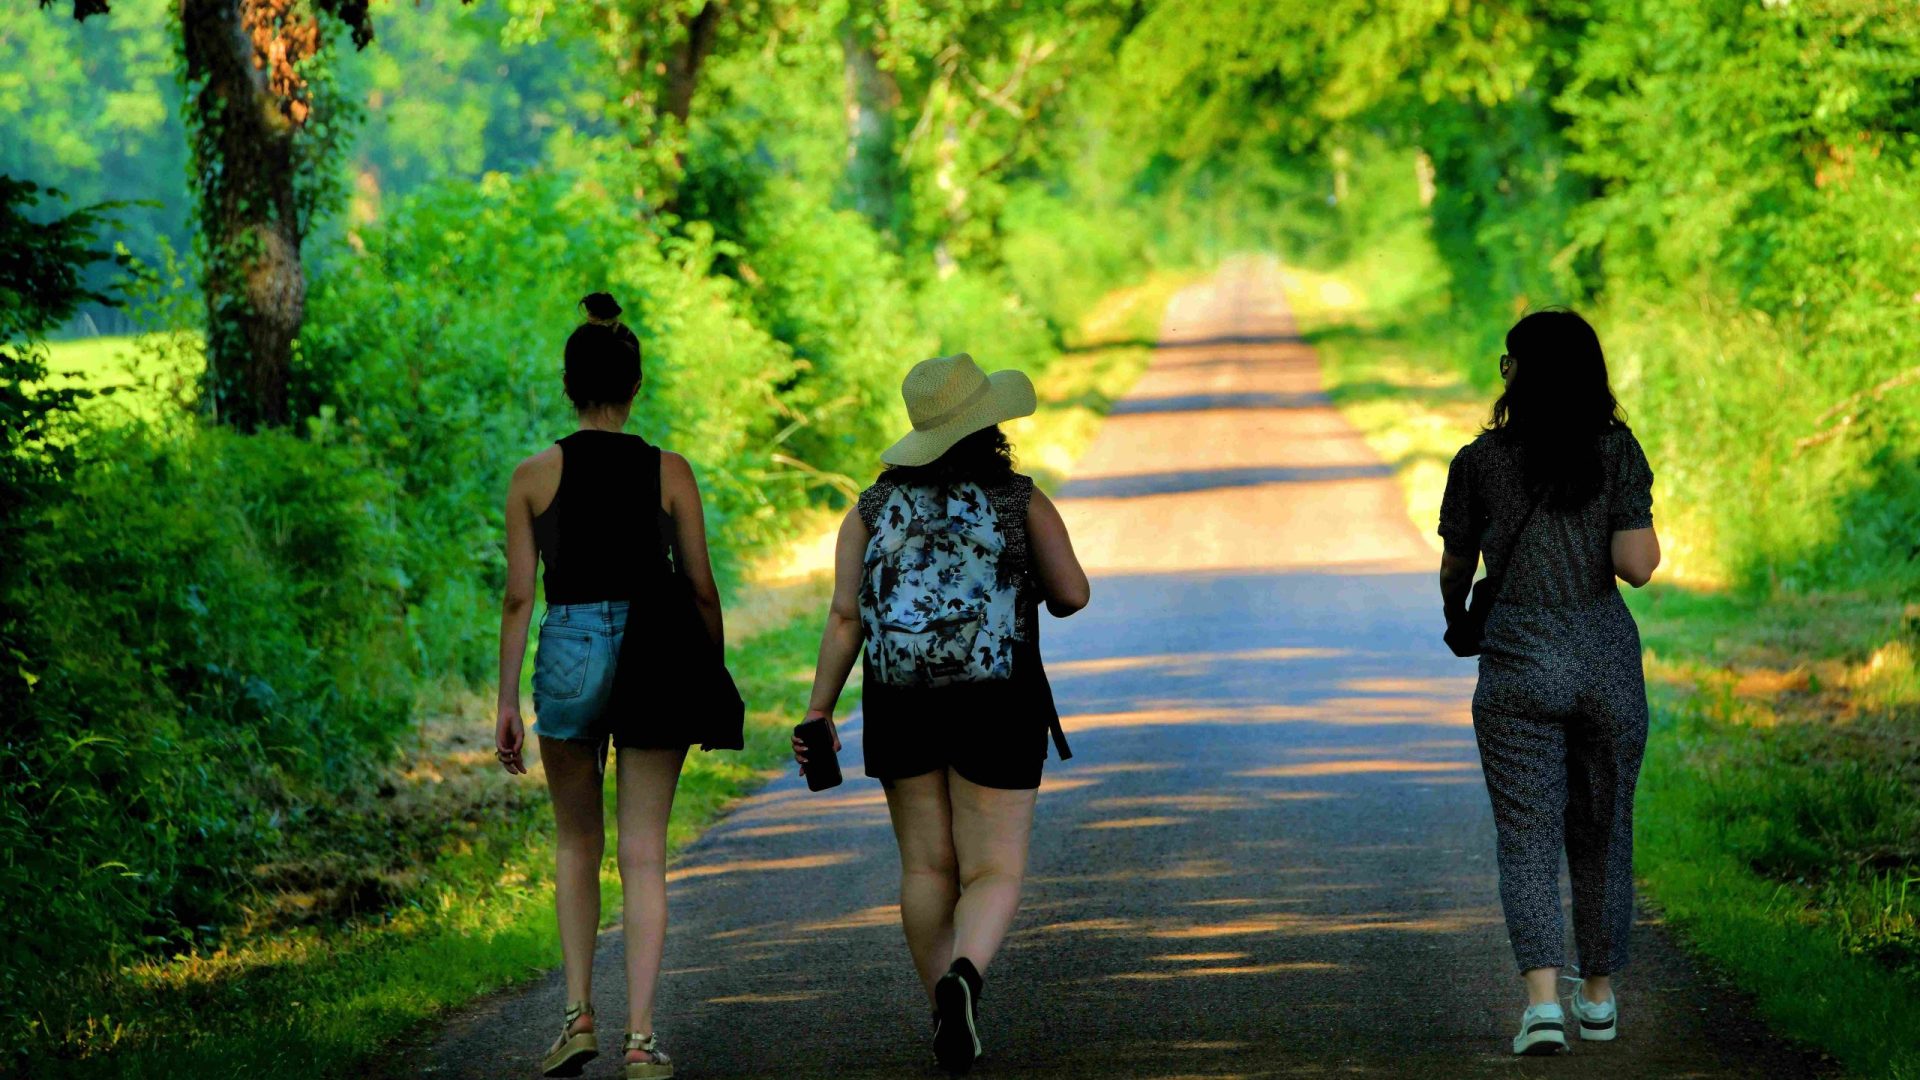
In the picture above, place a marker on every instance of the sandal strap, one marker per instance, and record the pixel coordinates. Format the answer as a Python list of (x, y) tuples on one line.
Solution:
[(647, 1043), (576, 1010)]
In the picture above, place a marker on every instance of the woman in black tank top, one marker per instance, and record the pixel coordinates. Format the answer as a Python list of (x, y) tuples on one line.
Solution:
[(619, 526)]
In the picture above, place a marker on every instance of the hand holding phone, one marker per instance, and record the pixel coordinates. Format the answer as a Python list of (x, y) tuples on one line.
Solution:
[(816, 746)]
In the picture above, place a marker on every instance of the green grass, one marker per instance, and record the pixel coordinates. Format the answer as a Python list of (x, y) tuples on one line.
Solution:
[(322, 998), (1779, 807), (143, 377)]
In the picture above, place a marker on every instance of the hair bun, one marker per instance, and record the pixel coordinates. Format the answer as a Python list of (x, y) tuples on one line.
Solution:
[(601, 307)]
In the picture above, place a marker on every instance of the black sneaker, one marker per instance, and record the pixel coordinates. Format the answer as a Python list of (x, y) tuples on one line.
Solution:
[(956, 1041)]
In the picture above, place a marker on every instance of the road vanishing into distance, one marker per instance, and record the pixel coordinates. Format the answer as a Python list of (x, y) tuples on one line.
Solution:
[(1271, 855)]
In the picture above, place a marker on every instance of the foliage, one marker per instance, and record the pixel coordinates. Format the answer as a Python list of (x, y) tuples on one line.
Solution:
[(41, 283), (92, 109)]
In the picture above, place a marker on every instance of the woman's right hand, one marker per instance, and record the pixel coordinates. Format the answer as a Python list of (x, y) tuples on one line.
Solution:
[(510, 738), (800, 748)]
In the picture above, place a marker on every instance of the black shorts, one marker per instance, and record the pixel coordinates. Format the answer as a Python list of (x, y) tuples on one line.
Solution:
[(992, 734)]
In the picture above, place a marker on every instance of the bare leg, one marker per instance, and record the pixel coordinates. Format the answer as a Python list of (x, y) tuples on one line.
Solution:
[(573, 781), (929, 880), (647, 779), (1597, 988), (990, 830), (1543, 985)]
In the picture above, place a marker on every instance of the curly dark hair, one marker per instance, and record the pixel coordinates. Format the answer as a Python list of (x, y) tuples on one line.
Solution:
[(1557, 407), (984, 457)]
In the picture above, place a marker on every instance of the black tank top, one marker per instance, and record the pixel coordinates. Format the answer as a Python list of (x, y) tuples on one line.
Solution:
[(605, 531)]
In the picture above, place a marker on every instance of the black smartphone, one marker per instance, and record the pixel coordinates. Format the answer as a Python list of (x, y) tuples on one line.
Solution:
[(823, 765)]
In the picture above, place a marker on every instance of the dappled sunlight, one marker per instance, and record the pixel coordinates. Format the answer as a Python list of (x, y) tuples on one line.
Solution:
[(1136, 823), (1432, 710), (758, 866), (1400, 684), (1193, 803), (1063, 784), (1201, 957), (784, 801), (864, 919), (766, 830), (1358, 766), (784, 997), (1338, 712), (1081, 926), (1188, 870), (1293, 924), (1185, 663), (1238, 969)]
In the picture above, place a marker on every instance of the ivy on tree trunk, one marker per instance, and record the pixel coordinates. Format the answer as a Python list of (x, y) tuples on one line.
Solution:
[(244, 110)]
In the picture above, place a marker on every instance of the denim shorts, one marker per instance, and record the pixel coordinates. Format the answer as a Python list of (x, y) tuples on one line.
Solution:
[(573, 670)]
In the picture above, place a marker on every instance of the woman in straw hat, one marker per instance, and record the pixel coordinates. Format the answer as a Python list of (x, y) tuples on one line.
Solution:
[(940, 569)]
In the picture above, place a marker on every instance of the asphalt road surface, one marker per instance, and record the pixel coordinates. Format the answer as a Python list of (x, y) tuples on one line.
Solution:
[(1271, 855)]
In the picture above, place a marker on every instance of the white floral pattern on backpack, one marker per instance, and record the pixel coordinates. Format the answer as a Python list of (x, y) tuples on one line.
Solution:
[(938, 598)]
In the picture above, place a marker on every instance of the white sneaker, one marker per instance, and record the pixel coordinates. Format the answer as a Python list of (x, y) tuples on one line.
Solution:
[(1543, 1030), (1599, 1021)]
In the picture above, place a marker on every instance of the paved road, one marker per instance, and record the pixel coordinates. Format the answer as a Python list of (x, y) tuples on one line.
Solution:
[(1271, 855)]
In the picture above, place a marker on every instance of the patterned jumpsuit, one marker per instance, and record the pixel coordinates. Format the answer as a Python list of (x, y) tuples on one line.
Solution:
[(1560, 712)]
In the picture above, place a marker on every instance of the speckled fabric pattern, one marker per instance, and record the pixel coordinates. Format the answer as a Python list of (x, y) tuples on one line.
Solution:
[(1560, 711), (1567, 555)]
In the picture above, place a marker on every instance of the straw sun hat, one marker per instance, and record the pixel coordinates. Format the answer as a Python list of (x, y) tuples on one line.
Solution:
[(949, 398)]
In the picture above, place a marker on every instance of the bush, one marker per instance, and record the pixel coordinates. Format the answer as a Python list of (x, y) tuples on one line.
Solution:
[(222, 625), (436, 351)]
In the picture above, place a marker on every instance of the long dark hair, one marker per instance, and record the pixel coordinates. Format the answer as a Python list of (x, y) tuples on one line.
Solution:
[(984, 457), (602, 356), (1558, 407)]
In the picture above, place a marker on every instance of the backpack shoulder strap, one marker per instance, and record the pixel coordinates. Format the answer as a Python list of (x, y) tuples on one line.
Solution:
[(870, 502)]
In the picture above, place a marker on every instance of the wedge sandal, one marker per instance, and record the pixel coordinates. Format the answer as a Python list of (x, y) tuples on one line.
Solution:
[(656, 1067), (573, 1049)]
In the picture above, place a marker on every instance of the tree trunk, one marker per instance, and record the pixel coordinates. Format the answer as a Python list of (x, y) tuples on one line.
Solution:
[(685, 59), (873, 172), (675, 55), (243, 115)]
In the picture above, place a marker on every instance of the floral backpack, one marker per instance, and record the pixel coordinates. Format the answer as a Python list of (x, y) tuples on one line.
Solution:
[(937, 600)]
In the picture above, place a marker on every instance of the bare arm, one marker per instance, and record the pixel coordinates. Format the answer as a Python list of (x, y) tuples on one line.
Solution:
[(1636, 554), (1062, 581), (516, 611), (682, 494), (1456, 579), (840, 641)]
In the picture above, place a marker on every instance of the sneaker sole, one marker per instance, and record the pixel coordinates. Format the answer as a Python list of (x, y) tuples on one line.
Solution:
[(1600, 1032), (956, 1044), (1543, 1039)]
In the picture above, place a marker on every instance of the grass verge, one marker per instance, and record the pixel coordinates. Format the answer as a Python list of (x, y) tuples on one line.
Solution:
[(322, 997), (1779, 806)]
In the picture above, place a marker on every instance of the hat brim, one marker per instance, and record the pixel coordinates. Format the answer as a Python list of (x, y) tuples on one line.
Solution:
[(1009, 396)]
